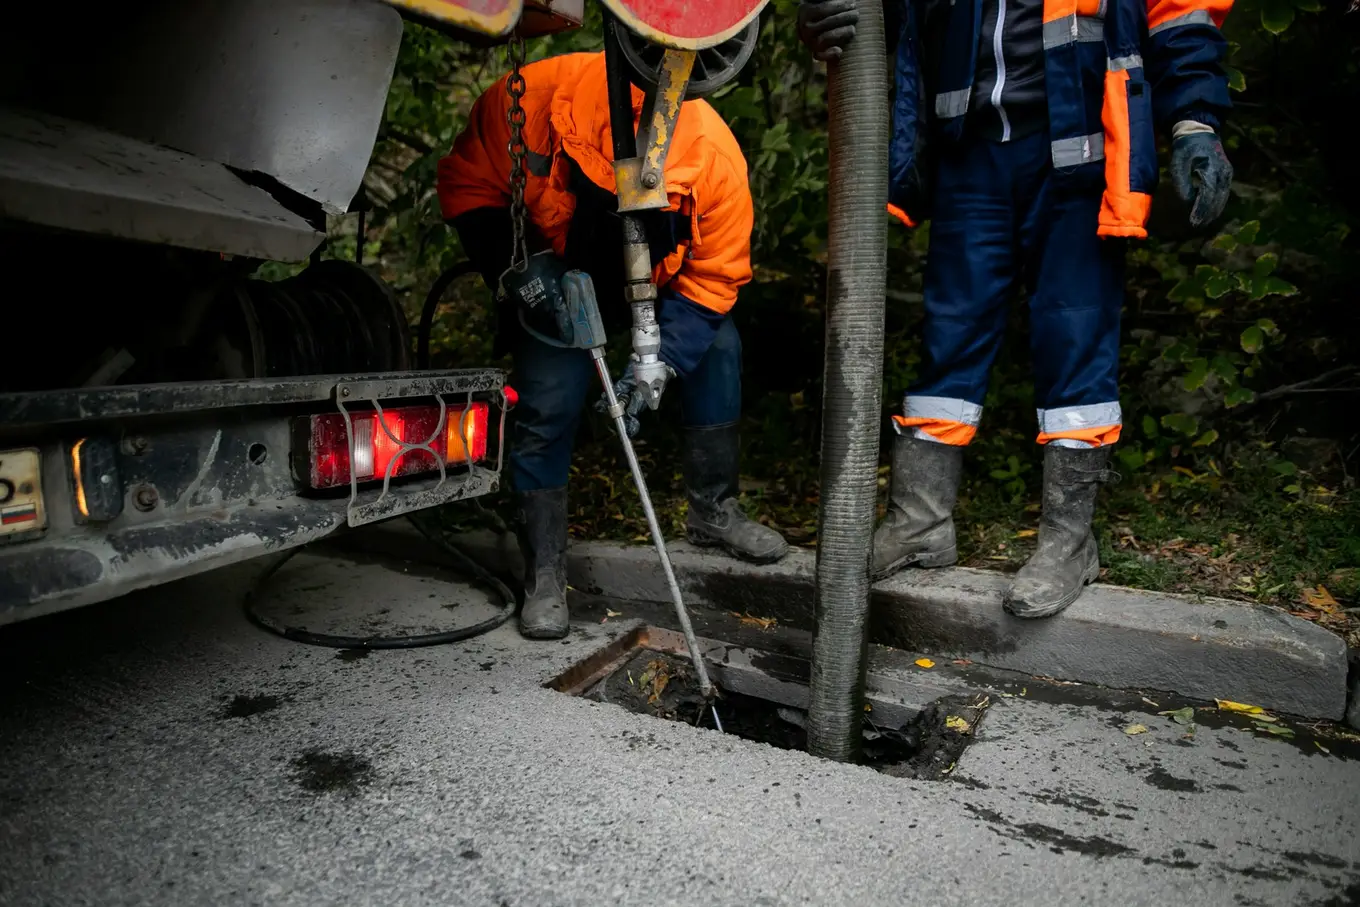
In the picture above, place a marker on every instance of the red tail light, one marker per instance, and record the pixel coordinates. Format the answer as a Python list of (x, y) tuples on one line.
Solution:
[(376, 443)]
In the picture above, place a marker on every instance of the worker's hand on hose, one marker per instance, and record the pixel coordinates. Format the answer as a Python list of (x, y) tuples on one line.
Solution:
[(1200, 171), (826, 26), (633, 398)]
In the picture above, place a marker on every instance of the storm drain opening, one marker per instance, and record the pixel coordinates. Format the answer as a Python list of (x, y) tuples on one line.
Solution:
[(914, 727)]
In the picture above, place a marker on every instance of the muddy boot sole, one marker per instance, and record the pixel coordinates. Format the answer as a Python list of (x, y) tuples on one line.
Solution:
[(544, 632), (1089, 575), (924, 560), (700, 540)]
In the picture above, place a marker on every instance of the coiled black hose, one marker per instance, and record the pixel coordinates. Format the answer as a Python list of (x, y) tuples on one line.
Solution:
[(851, 410), (415, 641)]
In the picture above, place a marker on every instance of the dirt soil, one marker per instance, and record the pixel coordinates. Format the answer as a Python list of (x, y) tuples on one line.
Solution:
[(663, 686)]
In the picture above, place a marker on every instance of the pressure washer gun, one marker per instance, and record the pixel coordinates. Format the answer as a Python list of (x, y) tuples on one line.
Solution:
[(553, 301)]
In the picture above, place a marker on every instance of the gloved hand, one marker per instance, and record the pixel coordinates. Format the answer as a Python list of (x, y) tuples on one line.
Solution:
[(633, 400), (1200, 171), (826, 26)]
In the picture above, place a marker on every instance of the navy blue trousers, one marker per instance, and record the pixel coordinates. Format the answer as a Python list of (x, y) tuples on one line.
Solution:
[(1001, 221), (554, 384)]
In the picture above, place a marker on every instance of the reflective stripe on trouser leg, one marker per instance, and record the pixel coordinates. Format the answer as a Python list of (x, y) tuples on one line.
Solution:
[(944, 420), (1082, 427), (970, 277)]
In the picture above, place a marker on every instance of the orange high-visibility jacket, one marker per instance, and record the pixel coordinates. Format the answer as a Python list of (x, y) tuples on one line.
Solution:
[(567, 109)]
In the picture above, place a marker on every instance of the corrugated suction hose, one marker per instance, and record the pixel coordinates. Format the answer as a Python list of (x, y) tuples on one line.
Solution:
[(851, 409)]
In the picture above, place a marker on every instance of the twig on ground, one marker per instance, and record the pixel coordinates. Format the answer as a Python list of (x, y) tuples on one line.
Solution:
[(1307, 384)]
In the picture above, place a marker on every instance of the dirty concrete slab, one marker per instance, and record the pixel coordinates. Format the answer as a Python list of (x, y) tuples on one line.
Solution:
[(160, 750), (1114, 636)]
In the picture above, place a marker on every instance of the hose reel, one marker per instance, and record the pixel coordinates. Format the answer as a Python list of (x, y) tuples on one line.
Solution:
[(714, 66)]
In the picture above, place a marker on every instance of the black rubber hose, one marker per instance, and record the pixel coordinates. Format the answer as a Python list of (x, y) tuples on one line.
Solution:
[(441, 286), (415, 641), (852, 398)]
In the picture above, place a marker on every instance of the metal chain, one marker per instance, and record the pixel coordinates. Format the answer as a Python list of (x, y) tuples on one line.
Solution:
[(516, 117)]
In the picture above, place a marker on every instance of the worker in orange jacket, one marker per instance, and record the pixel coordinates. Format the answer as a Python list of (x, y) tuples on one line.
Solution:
[(701, 256)]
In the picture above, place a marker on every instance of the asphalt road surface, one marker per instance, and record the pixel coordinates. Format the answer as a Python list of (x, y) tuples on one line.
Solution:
[(160, 749)]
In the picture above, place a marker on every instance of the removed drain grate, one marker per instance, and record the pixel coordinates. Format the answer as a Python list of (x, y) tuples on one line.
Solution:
[(913, 729)]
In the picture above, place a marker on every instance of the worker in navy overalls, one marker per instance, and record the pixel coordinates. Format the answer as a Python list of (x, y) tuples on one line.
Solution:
[(1026, 132)]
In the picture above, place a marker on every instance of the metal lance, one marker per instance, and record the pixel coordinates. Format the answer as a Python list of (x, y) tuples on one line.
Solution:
[(851, 407)]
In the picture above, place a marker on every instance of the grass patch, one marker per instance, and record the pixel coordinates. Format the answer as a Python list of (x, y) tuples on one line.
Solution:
[(1232, 531)]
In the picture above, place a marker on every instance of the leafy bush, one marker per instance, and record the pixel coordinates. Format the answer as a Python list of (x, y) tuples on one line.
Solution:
[(1239, 351)]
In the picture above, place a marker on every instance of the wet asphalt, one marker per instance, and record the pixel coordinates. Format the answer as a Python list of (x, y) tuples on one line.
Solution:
[(160, 749)]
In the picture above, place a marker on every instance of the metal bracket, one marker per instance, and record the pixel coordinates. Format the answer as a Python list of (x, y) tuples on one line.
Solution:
[(370, 507), (641, 181)]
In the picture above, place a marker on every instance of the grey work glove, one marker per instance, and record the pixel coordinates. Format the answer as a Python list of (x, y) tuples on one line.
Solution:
[(826, 26), (1200, 172), (634, 402)]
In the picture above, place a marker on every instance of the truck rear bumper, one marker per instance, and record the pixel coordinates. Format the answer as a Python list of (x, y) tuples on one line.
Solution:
[(81, 568), (196, 476)]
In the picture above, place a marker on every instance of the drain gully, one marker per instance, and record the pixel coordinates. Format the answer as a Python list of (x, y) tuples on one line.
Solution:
[(917, 725)]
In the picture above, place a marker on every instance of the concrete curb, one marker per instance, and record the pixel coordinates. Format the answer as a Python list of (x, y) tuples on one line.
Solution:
[(1117, 637)]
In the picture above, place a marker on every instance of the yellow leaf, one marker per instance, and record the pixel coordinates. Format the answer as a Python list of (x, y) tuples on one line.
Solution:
[(955, 723), (924, 663), (1229, 706), (608, 613), (1135, 729), (1319, 598), (749, 620), (1026, 533)]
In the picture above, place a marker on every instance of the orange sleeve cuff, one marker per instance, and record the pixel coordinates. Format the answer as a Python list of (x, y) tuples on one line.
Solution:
[(901, 215)]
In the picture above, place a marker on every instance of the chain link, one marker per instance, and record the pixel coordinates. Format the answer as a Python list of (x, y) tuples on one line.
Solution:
[(515, 117)]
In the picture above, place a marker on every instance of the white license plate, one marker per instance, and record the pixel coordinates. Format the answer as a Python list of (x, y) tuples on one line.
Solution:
[(21, 499)]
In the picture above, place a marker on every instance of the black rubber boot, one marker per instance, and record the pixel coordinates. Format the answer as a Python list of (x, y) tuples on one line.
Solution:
[(543, 542), (918, 530), (715, 518), (1067, 557)]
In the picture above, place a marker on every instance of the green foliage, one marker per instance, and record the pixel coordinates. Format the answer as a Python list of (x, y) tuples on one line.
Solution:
[(1217, 328)]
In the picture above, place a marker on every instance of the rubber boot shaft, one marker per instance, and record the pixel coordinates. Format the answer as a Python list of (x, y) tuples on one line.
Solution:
[(543, 542), (1067, 558), (918, 530), (712, 470)]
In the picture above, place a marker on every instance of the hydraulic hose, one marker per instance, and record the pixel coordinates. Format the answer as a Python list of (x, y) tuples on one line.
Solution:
[(852, 396), (441, 286), (509, 604)]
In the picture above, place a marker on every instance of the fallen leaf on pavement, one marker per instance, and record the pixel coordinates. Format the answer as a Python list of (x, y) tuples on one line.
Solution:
[(924, 663), (955, 723), (1185, 716), (1321, 747), (1229, 706), (1276, 729), (750, 620), (1155, 705), (608, 613), (1134, 729)]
